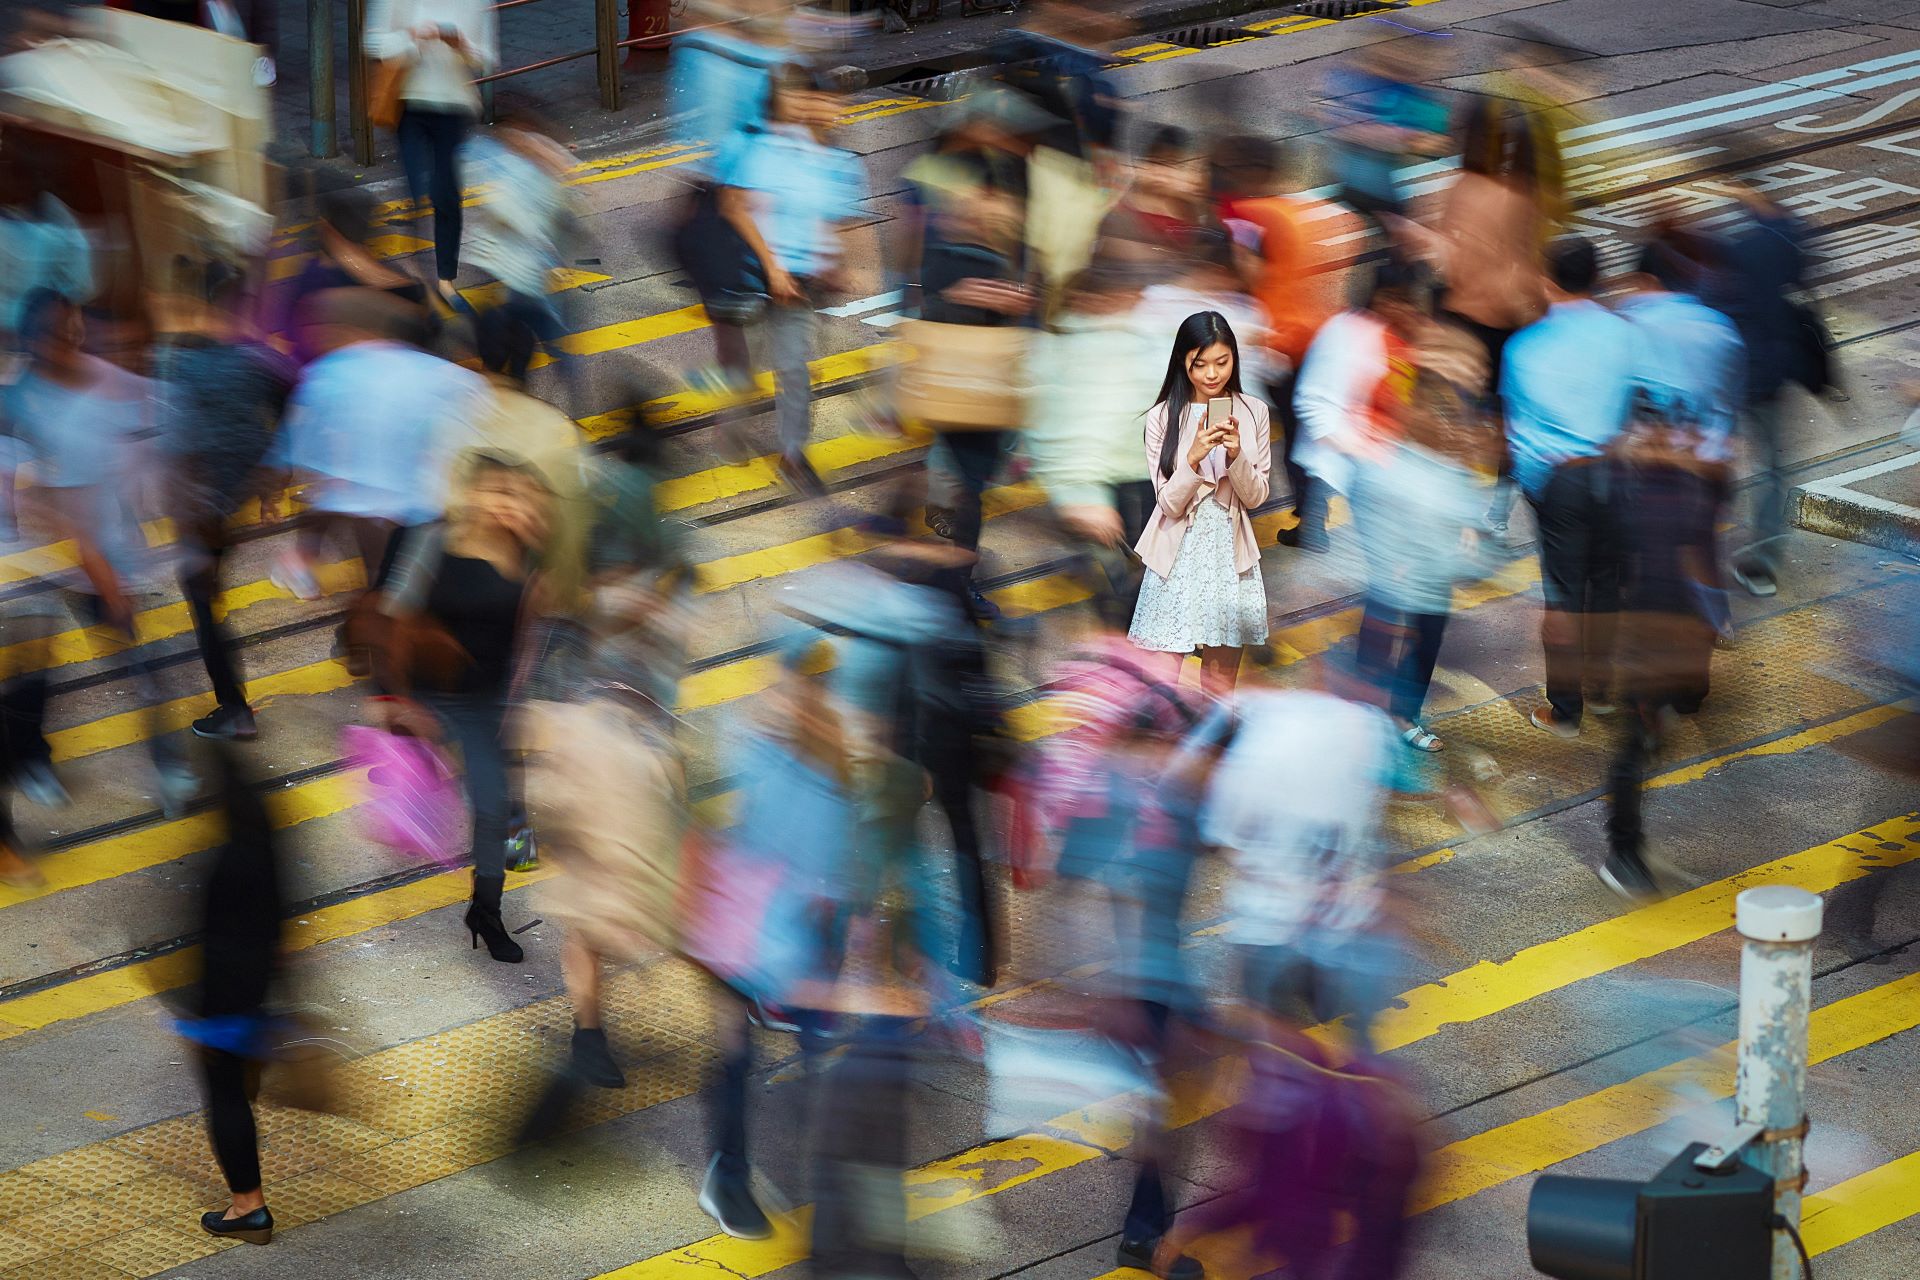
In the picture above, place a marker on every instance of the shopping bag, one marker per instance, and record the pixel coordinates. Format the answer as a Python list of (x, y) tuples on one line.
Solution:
[(414, 800), (962, 377)]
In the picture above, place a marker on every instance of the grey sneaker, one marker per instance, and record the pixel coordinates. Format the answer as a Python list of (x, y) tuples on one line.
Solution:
[(39, 783), (179, 784), (1757, 580), (729, 1202), (1628, 878)]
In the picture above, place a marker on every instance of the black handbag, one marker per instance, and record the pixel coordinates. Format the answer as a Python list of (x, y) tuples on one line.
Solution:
[(723, 267), (1813, 364)]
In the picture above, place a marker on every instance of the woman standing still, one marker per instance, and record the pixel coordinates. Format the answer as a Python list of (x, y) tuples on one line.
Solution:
[(1202, 588), (444, 44)]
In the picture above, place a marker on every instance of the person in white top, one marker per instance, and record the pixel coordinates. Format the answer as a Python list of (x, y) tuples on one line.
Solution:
[(445, 44)]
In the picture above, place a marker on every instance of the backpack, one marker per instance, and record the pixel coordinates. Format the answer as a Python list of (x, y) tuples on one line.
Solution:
[(1103, 697)]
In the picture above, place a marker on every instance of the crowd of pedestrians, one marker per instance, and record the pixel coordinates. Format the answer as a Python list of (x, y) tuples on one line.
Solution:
[(1176, 337)]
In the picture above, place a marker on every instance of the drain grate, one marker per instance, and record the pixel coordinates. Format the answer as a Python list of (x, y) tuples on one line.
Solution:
[(1347, 8), (944, 87), (1209, 35)]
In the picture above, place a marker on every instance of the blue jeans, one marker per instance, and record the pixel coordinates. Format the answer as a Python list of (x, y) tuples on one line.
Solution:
[(429, 152), (472, 723)]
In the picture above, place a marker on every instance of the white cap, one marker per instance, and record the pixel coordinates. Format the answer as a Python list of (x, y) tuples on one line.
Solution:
[(1778, 913)]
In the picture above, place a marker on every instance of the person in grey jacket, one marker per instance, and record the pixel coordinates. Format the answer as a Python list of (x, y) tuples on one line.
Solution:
[(1417, 511)]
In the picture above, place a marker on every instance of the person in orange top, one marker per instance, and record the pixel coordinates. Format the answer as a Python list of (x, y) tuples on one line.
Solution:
[(1291, 245)]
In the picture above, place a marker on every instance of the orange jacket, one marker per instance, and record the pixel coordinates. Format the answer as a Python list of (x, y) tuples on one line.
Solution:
[(1301, 281)]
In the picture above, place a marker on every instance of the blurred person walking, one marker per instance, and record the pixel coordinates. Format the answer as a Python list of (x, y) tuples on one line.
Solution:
[(454, 610), (605, 783), (1202, 589), (223, 391), (341, 260), (1290, 237), (232, 1024), (1090, 370), (719, 85), (788, 195), (1568, 388), (440, 47), (1384, 118), (1357, 369), (525, 228), (1761, 262), (1417, 511), (367, 476), (89, 428)]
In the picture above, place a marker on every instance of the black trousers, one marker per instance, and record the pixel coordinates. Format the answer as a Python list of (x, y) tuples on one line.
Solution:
[(1280, 396), (430, 153), (204, 553), (236, 1141), (1580, 566)]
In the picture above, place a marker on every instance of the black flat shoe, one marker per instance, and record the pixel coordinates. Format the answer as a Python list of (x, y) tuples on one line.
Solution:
[(1138, 1254), (593, 1061), (254, 1228)]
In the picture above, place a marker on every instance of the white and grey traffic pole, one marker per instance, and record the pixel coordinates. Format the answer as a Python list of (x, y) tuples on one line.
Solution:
[(1779, 924)]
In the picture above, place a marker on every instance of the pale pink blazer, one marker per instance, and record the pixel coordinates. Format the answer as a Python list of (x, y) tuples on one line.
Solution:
[(1178, 496)]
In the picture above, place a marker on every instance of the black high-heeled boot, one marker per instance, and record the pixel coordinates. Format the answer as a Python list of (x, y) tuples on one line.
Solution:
[(254, 1228), (483, 922), (593, 1060)]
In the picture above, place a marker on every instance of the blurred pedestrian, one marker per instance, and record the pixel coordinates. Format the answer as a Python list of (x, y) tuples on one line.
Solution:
[(455, 606), (342, 260), (1210, 453), (90, 428), (1360, 362), (1385, 117), (1293, 280), (1164, 204), (1760, 262), (232, 1024), (525, 227), (1568, 388), (1417, 512), (788, 195), (223, 391), (367, 475), (1090, 370), (444, 46)]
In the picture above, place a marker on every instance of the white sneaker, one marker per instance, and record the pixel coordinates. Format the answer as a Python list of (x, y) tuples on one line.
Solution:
[(294, 576)]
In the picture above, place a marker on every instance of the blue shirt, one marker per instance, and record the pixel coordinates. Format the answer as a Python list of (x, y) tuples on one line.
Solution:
[(717, 88), (1568, 387), (1690, 360), (800, 191)]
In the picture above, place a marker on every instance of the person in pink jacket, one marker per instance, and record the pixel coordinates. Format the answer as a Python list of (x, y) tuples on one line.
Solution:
[(1202, 589)]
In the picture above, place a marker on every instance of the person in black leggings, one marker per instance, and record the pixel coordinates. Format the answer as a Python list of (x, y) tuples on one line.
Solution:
[(231, 1022)]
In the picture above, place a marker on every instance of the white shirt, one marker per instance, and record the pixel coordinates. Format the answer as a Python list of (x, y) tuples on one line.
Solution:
[(1337, 378), (441, 79)]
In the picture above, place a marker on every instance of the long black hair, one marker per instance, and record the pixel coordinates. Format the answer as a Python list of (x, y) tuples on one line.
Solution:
[(1196, 333)]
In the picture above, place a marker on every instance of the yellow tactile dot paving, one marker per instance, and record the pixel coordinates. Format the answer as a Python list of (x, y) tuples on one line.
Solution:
[(151, 1250), (179, 1145), (399, 1166), (22, 1193), (315, 1195), (86, 1169), (167, 1195), (70, 1266), (81, 1220), (18, 1249)]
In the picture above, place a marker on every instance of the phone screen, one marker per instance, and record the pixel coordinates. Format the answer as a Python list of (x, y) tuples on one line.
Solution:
[(1219, 409)]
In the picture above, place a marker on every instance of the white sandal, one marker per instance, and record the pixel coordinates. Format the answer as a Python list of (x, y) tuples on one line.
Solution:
[(1418, 737)]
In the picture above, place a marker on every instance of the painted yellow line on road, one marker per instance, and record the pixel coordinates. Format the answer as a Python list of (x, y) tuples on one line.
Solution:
[(83, 644), (1861, 1205), (128, 727), (1819, 735), (1494, 986), (630, 333), (1533, 1143)]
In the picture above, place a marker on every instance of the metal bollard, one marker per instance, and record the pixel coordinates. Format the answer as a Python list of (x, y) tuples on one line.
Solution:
[(1779, 924), (320, 77)]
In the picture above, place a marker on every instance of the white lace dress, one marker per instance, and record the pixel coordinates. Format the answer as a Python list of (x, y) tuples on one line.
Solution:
[(1203, 602)]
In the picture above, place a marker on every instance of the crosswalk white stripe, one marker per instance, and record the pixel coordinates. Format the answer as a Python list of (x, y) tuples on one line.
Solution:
[(863, 305)]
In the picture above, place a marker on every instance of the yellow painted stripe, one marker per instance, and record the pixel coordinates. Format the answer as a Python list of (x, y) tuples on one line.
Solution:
[(129, 727), (1819, 735), (1533, 1143), (931, 1188), (83, 644), (170, 972), (1861, 1205), (1494, 986), (182, 837), (631, 333), (492, 295)]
